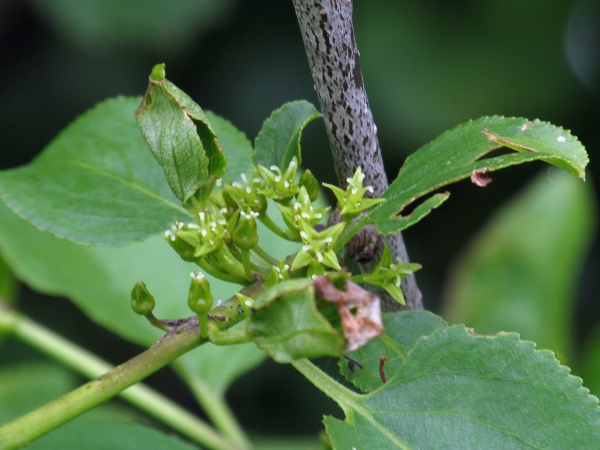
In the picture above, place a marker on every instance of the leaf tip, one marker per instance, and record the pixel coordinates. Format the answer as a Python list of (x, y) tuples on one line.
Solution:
[(158, 73)]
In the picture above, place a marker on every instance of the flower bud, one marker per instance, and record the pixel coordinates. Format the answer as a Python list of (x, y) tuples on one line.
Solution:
[(200, 298), (183, 240), (245, 235), (280, 186), (310, 183), (142, 302)]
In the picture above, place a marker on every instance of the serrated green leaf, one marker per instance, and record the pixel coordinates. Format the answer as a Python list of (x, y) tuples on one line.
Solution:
[(590, 362), (180, 138), (402, 330), (472, 391), (520, 272), (217, 163), (96, 183), (401, 223), (235, 144), (461, 151), (291, 328), (279, 138)]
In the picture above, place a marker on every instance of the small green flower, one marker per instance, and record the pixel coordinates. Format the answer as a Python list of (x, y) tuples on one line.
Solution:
[(318, 246), (200, 298), (247, 195), (310, 183), (245, 234), (280, 186), (302, 209), (351, 202), (183, 238), (279, 272), (212, 231), (388, 275)]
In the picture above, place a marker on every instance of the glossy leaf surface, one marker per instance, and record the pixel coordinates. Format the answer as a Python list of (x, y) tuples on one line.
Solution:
[(496, 390), (96, 182), (279, 138), (291, 327), (235, 144), (180, 137), (401, 333), (462, 151)]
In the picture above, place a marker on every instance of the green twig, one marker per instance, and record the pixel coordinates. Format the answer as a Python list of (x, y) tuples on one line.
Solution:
[(41, 421)]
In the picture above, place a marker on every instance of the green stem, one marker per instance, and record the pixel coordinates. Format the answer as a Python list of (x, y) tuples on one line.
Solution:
[(155, 322), (230, 264), (39, 422), (217, 410), (344, 397), (247, 264), (264, 255), (268, 222), (209, 269), (203, 325)]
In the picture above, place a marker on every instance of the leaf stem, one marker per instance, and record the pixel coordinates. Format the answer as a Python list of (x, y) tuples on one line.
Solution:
[(344, 397), (247, 264), (231, 265), (217, 410), (41, 421), (212, 271)]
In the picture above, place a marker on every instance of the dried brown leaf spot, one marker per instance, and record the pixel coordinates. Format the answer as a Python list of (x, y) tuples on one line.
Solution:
[(481, 177), (359, 309)]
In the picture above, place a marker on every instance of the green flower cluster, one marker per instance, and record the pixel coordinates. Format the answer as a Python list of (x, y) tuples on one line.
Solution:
[(223, 240)]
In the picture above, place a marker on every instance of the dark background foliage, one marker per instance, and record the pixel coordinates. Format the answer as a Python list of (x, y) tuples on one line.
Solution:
[(427, 67)]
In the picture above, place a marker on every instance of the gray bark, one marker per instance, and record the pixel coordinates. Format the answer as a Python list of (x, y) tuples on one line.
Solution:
[(328, 35)]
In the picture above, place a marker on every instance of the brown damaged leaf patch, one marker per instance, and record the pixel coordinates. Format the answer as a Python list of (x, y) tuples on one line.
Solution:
[(481, 177), (359, 309)]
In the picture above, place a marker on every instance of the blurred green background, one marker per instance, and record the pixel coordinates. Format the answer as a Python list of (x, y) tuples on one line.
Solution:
[(532, 266)]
